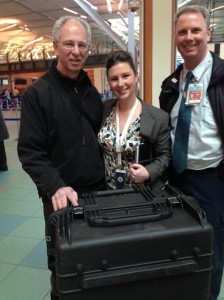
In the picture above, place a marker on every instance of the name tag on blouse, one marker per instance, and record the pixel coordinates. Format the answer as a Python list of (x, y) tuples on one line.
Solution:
[(194, 94)]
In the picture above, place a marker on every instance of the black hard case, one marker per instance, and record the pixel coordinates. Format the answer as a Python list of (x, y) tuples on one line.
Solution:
[(104, 250)]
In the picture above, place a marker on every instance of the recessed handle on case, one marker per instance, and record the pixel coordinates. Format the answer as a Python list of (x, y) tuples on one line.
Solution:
[(114, 192), (137, 273), (117, 216)]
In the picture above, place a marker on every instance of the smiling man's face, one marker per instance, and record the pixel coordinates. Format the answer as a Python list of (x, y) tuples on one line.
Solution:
[(192, 37)]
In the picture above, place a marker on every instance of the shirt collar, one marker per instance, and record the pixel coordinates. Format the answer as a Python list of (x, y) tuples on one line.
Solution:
[(205, 64)]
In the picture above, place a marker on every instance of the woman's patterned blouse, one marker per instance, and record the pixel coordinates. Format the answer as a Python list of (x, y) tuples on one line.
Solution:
[(107, 141)]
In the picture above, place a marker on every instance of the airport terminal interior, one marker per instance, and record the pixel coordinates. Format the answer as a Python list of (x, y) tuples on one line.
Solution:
[(24, 274)]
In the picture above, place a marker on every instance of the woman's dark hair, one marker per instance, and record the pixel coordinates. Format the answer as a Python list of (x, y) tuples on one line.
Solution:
[(117, 57)]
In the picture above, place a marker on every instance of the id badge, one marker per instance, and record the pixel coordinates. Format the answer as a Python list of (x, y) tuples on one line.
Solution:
[(194, 94), (120, 178)]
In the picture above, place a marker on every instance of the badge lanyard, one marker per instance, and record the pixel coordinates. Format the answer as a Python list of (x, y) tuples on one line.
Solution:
[(119, 139)]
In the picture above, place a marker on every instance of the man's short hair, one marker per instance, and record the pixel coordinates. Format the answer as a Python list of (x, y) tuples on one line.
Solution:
[(195, 9)]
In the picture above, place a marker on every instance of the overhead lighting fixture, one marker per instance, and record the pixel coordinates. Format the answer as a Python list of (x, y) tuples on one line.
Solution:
[(109, 6), (220, 7), (82, 16), (8, 46), (183, 3), (71, 11), (34, 41), (120, 4), (7, 27), (23, 28), (5, 21)]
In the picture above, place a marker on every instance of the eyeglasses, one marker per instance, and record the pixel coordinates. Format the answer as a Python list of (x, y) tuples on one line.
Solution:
[(82, 46)]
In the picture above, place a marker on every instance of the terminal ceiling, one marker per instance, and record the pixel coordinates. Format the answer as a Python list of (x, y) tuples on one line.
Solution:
[(26, 25)]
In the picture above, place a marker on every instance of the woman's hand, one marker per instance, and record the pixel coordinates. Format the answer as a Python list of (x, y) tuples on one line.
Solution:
[(138, 173)]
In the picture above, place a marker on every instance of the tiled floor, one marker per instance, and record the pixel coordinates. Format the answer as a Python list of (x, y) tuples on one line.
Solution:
[(23, 264)]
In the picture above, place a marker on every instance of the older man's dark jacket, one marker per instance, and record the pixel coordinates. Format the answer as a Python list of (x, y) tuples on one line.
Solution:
[(57, 144)]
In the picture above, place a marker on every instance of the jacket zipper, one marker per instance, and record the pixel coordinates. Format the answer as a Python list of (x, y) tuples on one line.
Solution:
[(83, 137)]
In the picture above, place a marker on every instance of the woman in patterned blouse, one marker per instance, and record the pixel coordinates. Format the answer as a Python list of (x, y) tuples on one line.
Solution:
[(128, 121)]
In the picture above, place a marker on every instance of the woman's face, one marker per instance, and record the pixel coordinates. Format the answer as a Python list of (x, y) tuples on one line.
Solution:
[(122, 81)]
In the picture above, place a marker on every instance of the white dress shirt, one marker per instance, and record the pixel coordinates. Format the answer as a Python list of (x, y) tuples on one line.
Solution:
[(205, 146)]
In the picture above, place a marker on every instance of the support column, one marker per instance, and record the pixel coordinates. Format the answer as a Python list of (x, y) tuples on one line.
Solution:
[(158, 47), (147, 51)]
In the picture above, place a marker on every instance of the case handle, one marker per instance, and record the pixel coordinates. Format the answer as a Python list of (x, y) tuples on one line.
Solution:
[(116, 216), (138, 273)]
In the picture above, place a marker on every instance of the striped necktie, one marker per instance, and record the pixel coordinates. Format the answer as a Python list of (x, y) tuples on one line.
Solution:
[(180, 147)]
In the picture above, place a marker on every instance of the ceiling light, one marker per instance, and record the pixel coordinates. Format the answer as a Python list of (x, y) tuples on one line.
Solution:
[(34, 41), (120, 4), (220, 7), (49, 36), (109, 6), (7, 27), (8, 21), (183, 3), (71, 11), (23, 28), (7, 48)]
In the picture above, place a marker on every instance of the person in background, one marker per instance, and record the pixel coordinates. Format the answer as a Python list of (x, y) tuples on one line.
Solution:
[(128, 122), (7, 93), (4, 134), (202, 173), (60, 117), (15, 92)]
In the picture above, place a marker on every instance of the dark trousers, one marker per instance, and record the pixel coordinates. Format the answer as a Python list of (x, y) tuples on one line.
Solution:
[(208, 189), (3, 160)]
